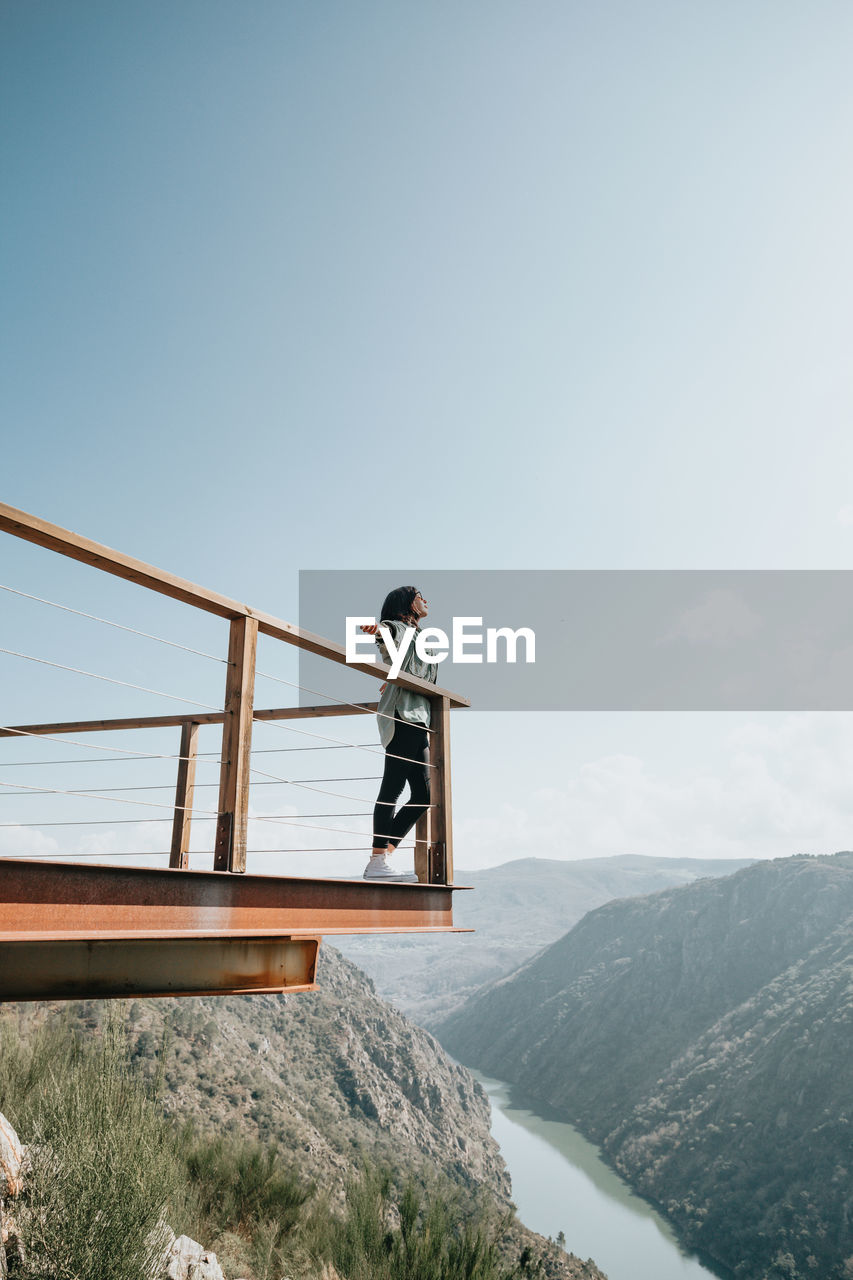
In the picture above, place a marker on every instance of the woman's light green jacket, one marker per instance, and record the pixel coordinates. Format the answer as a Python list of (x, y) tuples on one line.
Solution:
[(405, 703)]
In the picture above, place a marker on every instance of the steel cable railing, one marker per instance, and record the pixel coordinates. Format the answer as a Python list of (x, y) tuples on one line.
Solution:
[(120, 626), (94, 746), (318, 693), (126, 684), (373, 750)]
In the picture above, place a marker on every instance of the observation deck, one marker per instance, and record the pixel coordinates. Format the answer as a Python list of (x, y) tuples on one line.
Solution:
[(71, 930)]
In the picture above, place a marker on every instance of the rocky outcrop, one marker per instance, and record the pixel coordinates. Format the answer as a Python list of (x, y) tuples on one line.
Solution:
[(11, 1186), (11, 1160), (186, 1259)]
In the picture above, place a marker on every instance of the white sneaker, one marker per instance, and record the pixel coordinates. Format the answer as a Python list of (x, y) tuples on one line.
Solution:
[(378, 869)]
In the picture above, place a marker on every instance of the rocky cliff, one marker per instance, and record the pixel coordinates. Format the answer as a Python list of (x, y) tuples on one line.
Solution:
[(702, 1036), (330, 1075)]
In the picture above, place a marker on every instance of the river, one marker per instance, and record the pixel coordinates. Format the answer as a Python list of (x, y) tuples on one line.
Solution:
[(561, 1183)]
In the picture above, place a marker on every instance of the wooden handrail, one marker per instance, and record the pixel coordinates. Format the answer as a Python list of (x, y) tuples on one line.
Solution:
[(176, 721), (44, 534), (55, 538)]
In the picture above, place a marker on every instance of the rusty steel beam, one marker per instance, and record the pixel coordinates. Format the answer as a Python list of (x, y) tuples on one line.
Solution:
[(106, 968), (39, 898)]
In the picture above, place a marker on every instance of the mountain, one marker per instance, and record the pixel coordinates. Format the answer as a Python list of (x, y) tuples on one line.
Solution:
[(331, 1076), (702, 1037), (516, 910)]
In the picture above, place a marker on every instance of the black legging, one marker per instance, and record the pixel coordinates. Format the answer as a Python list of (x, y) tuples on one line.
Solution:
[(411, 741)]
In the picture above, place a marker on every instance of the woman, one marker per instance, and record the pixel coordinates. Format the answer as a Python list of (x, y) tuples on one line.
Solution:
[(404, 718)]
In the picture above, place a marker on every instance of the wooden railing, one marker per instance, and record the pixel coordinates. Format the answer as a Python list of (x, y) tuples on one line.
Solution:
[(433, 834)]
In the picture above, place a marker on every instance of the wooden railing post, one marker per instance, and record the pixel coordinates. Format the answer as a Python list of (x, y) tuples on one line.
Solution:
[(231, 828), (180, 853), (441, 829), (422, 848)]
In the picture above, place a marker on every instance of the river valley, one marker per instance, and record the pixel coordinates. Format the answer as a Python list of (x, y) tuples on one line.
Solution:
[(561, 1183)]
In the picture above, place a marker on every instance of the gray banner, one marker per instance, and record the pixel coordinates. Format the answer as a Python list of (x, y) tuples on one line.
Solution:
[(632, 640)]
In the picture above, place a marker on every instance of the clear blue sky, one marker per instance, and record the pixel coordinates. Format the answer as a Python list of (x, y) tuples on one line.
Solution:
[(548, 285)]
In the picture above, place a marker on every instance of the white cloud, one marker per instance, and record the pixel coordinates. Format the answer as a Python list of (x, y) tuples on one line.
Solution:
[(779, 792), (26, 842)]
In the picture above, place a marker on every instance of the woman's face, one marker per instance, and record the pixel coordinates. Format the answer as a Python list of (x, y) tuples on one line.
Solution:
[(419, 606)]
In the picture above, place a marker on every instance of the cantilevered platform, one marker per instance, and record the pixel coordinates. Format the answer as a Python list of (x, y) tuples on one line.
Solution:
[(69, 931)]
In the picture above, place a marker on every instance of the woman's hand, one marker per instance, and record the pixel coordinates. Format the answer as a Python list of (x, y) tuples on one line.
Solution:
[(371, 630)]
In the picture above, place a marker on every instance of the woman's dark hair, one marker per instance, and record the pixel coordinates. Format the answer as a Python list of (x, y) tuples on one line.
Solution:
[(398, 605)]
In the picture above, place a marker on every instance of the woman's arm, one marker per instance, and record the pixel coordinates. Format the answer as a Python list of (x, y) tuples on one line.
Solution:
[(399, 629)]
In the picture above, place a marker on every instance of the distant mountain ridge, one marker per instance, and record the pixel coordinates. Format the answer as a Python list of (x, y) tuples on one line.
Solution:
[(516, 910), (702, 1035)]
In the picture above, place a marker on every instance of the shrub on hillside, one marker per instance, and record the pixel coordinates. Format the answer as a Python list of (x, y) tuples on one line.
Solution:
[(101, 1167), (417, 1238), (237, 1184)]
